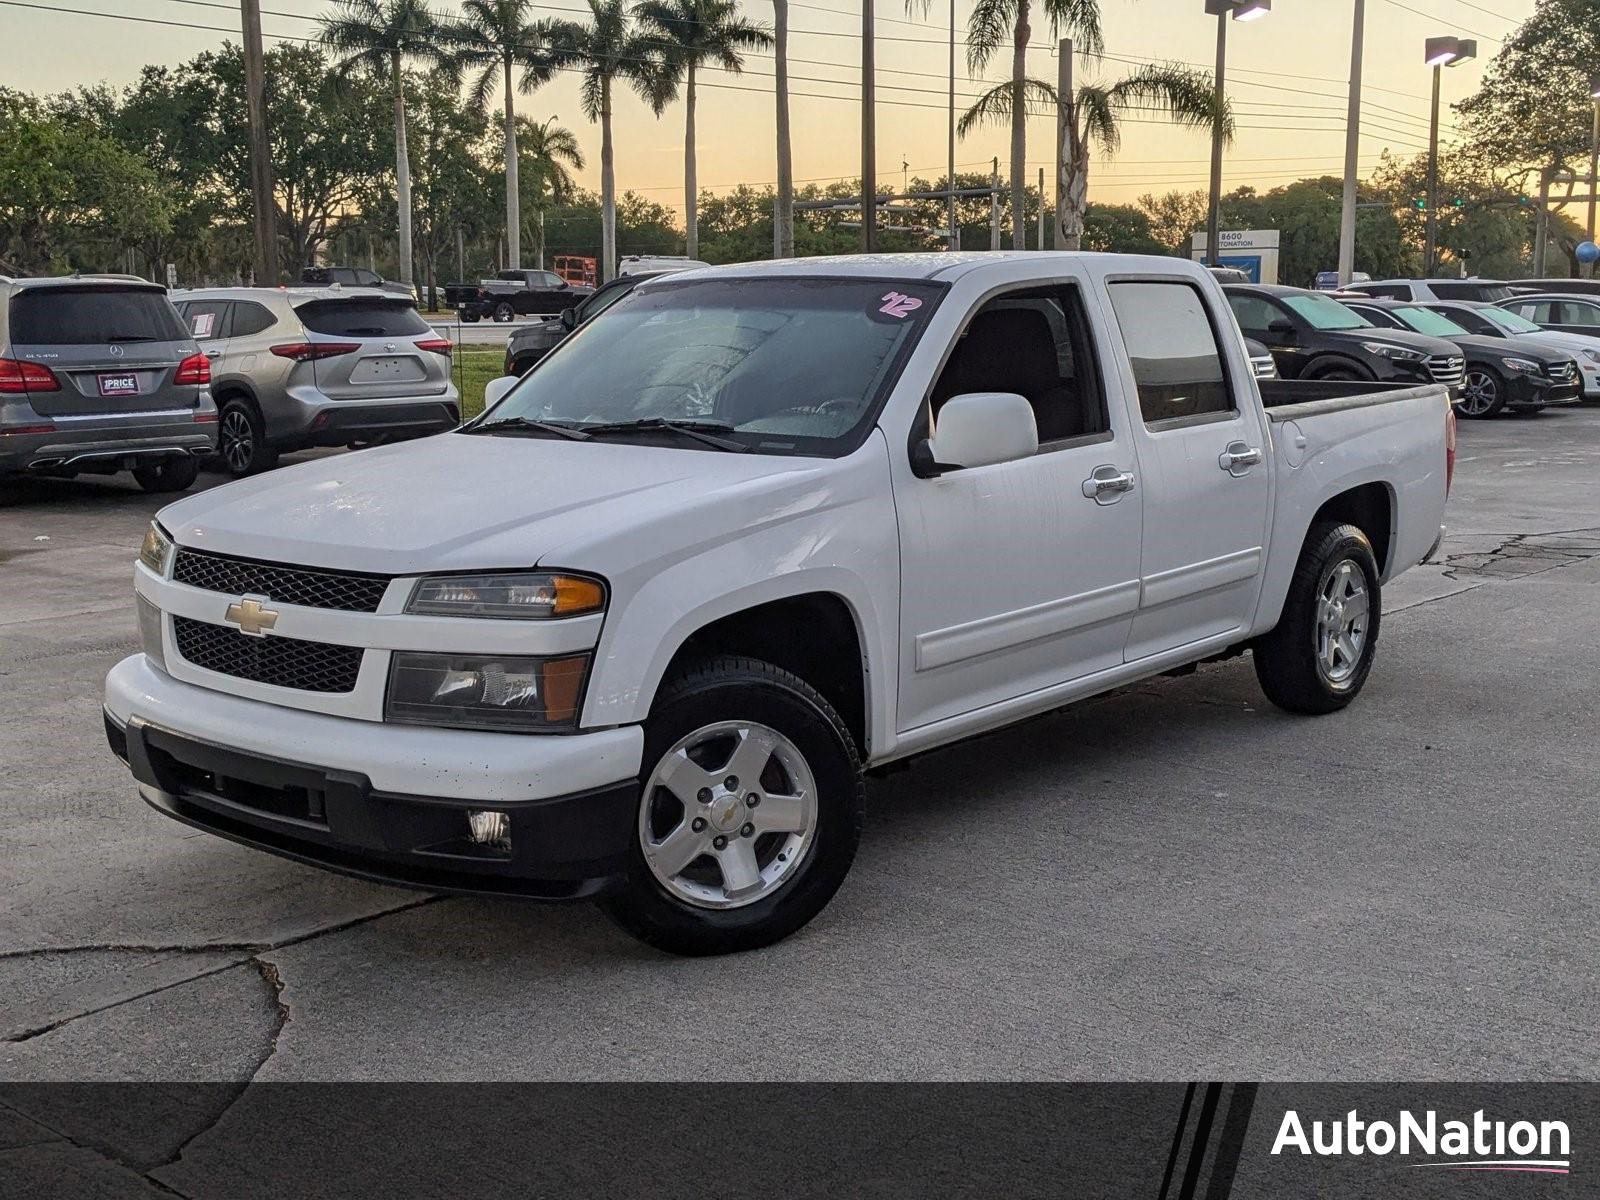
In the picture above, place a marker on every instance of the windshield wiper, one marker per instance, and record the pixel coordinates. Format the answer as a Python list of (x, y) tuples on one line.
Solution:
[(527, 425), (701, 431)]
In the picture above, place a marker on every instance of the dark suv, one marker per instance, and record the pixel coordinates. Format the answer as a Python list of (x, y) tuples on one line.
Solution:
[(1313, 336), (98, 375)]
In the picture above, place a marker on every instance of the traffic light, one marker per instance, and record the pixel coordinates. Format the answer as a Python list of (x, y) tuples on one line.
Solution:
[(1458, 202), (1420, 203)]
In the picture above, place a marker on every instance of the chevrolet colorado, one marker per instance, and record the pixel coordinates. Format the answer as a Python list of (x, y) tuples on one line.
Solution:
[(637, 631)]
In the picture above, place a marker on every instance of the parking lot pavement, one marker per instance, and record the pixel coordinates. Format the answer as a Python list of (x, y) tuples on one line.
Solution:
[(1173, 881)]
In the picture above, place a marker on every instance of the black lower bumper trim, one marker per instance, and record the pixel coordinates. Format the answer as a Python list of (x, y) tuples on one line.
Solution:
[(563, 848), (382, 423)]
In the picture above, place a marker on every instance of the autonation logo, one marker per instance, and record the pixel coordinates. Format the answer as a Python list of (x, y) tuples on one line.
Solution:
[(1475, 1145)]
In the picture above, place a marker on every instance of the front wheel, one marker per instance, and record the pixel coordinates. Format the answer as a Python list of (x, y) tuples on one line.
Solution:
[(1319, 656), (1483, 394), (750, 812), (503, 311)]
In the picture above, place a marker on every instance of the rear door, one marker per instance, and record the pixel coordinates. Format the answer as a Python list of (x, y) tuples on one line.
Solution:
[(1202, 447), (208, 322), (114, 348), (368, 348)]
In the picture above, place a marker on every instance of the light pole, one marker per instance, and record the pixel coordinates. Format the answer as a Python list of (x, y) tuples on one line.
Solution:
[(1224, 11), (1441, 52), (950, 134), (869, 149), (1352, 149), (1594, 153)]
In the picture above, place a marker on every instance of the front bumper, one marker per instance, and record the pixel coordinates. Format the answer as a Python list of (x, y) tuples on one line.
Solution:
[(1536, 391), (379, 801)]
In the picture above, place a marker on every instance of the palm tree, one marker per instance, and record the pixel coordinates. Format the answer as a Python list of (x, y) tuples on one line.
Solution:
[(690, 34), (783, 209), (987, 29), (551, 153), (377, 37), (495, 37), (607, 51)]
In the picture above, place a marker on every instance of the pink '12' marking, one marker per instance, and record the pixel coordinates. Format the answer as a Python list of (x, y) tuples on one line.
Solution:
[(898, 304)]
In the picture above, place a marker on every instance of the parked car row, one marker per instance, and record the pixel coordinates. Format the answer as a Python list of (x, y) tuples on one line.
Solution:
[(104, 373)]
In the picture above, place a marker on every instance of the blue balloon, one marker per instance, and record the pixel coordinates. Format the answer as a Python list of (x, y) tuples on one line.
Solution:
[(1588, 252)]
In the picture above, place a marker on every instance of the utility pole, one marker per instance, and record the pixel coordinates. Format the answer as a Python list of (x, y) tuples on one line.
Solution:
[(1352, 148), (950, 180), (1541, 226), (869, 148), (255, 86), (1041, 208), (994, 205), (1064, 117), (1594, 166)]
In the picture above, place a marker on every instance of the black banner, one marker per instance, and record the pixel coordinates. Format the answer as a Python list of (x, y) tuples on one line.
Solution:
[(1197, 1141)]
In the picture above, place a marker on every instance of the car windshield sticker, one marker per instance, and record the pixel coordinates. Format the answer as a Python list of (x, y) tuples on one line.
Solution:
[(898, 304), (203, 323)]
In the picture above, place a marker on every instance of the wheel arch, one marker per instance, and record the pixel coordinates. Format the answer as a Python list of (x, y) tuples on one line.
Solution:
[(1371, 508), (1335, 360)]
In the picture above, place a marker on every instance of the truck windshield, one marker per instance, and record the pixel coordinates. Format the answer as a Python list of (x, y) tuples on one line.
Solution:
[(780, 366), (1431, 323), (1322, 312)]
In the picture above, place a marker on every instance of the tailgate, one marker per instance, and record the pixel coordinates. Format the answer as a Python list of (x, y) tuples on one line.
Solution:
[(93, 381), (372, 348)]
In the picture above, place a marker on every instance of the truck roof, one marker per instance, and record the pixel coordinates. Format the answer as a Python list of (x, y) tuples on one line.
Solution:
[(941, 265)]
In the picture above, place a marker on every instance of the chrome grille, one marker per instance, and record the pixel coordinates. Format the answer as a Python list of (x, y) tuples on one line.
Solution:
[(280, 661), (1448, 369), (305, 586), (1566, 372)]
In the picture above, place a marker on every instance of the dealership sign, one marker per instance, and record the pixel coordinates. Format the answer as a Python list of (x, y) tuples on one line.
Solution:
[(1477, 1144)]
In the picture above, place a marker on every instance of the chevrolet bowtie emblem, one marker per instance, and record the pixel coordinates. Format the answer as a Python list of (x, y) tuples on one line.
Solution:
[(251, 617)]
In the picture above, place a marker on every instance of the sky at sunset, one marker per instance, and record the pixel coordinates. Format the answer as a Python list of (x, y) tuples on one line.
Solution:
[(1287, 79)]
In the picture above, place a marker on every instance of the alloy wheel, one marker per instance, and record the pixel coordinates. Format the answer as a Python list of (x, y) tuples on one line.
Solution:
[(728, 815), (1479, 391), (238, 441), (1343, 608)]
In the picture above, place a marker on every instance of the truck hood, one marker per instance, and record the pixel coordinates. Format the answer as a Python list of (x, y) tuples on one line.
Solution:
[(472, 502)]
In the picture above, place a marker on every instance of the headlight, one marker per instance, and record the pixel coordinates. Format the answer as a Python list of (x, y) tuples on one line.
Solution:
[(485, 691), (1398, 353), (519, 596), (1520, 366), (156, 552), (1592, 355)]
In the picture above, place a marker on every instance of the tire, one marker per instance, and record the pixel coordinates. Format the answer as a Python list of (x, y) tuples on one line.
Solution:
[(170, 473), (469, 316), (1340, 375), (503, 312), (702, 722), (1299, 668), (242, 440), (1483, 394)]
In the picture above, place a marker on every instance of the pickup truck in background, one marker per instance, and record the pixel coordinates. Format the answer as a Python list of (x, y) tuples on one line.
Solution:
[(637, 632), (514, 293)]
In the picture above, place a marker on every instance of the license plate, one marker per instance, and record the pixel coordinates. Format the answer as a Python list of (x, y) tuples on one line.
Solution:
[(123, 384), (400, 369)]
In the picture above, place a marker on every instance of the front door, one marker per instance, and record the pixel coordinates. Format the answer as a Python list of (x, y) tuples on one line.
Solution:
[(1020, 575), (1207, 482)]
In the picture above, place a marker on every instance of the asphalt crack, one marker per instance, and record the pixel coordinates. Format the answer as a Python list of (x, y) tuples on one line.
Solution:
[(1523, 554)]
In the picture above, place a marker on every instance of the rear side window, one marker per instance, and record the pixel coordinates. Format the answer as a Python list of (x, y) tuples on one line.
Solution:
[(93, 316), (1386, 291), (1177, 363), (250, 318), (207, 319), (362, 318), (1492, 292)]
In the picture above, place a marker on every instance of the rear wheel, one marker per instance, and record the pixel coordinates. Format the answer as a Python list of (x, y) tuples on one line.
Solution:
[(170, 473), (242, 440), (469, 316), (749, 815), (1319, 656), (1483, 393)]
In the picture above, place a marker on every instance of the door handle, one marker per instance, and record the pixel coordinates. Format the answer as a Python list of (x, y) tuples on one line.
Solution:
[(213, 353), (1239, 457), (1107, 484)]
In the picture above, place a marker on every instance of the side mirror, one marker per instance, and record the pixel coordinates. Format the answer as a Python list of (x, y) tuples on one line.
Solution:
[(979, 429), (1282, 329), (496, 390), (569, 319)]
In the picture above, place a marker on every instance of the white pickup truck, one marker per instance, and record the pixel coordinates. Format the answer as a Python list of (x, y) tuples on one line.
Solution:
[(638, 632)]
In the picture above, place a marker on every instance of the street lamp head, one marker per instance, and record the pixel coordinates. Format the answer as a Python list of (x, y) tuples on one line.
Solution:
[(1240, 10), (1448, 51)]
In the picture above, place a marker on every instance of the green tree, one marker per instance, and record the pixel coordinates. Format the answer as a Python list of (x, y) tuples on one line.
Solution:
[(988, 28), (549, 153), (1120, 228), (1484, 228), (1174, 218), (497, 37), (377, 37), (689, 35), (608, 51)]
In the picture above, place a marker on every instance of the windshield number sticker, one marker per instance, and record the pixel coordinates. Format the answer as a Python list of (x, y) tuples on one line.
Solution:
[(899, 305)]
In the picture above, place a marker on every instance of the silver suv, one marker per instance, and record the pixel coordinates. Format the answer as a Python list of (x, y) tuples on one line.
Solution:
[(298, 367), (97, 375)]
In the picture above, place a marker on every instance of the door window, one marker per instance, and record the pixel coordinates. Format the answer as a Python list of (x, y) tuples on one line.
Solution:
[(1254, 313), (1575, 312), (207, 319), (250, 318), (1177, 363), (1035, 344), (1541, 312)]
